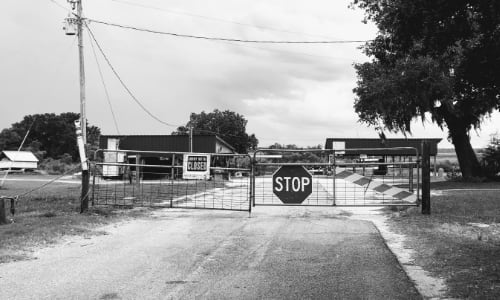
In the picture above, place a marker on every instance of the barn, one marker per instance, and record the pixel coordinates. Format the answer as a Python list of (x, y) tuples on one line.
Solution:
[(385, 150), (18, 160), (155, 147), (172, 143)]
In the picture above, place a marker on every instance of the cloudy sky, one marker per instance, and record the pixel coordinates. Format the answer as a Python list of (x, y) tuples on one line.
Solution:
[(291, 94)]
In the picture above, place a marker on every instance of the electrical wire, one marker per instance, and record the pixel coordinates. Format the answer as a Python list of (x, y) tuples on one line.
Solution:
[(224, 39), (105, 88), (278, 50), (60, 5), (217, 133), (18, 150), (48, 183), (123, 83), (195, 130), (218, 19)]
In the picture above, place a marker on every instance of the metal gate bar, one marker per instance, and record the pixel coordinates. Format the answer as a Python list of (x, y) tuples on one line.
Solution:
[(153, 185), (336, 183)]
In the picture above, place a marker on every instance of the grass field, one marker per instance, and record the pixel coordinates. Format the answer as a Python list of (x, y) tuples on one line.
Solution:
[(460, 240), (47, 215)]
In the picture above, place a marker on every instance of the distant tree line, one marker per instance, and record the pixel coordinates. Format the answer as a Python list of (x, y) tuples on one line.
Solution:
[(50, 136), (299, 156)]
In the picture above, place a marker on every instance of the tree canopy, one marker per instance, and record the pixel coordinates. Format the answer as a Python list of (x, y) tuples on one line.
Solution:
[(228, 125), (50, 135), (436, 60)]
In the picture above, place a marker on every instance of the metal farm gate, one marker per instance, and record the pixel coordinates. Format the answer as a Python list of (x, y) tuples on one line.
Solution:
[(239, 182), (332, 178), (157, 179)]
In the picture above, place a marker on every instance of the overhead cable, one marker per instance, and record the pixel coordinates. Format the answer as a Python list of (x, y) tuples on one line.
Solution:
[(177, 12), (123, 83), (60, 5), (278, 50), (224, 39), (104, 86), (218, 133)]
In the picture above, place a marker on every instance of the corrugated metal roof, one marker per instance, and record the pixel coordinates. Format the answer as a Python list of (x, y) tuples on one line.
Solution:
[(20, 156), (225, 143), (174, 143), (363, 145)]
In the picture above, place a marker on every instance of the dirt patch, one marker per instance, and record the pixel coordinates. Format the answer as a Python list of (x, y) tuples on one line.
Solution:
[(47, 216)]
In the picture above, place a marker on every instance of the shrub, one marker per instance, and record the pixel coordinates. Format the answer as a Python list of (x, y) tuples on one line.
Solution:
[(448, 166), (490, 158), (57, 166)]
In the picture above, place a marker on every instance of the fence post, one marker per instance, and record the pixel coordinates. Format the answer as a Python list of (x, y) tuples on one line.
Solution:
[(93, 183), (3, 216), (426, 178), (334, 173), (138, 175), (252, 179), (410, 177)]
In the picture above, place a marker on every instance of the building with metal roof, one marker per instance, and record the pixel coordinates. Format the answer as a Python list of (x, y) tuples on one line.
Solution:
[(150, 150), (381, 147), (384, 150), (18, 160), (170, 143)]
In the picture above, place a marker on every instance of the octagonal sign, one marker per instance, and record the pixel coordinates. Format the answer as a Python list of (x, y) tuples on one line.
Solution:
[(292, 184)]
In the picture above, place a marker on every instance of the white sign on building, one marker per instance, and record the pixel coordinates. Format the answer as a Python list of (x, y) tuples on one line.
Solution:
[(196, 166), (339, 148)]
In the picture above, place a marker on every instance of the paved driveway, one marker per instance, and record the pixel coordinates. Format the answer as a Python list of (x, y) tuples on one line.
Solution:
[(277, 253)]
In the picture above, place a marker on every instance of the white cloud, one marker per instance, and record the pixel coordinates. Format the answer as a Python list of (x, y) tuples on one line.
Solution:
[(293, 94)]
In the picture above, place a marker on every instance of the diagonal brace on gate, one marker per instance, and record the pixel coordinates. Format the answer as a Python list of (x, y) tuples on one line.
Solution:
[(377, 186)]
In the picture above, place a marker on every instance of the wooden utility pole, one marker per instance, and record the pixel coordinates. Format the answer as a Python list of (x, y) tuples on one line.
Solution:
[(191, 139), (3, 216), (426, 178), (3, 207), (83, 116)]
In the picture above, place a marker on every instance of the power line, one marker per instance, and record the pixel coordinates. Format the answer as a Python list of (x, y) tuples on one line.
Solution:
[(276, 50), (48, 183), (279, 50), (225, 39), (123, 83), (19, 149), (217, 133), (195, 130), (217, 19), (60, 5), (104, 85)]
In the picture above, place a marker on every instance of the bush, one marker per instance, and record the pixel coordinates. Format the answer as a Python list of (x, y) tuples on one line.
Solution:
[(448, 166), (490, 159), (58, 166)]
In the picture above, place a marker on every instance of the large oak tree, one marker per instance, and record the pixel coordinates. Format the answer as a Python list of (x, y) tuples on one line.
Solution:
[(227, 124), (437, 60)]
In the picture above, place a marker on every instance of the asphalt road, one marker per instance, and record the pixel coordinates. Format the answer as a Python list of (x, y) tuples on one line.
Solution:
[(278, 253)]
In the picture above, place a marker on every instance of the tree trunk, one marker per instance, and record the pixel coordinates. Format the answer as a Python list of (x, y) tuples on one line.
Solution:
[(467, 159)]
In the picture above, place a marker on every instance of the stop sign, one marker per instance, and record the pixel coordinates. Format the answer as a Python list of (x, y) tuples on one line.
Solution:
[(292, 184)]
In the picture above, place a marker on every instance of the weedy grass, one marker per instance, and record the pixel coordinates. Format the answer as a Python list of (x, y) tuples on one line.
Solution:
[(49, 214), (460, 240)]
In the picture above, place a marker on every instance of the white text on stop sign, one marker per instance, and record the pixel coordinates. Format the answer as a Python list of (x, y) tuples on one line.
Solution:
[(289, 184)]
